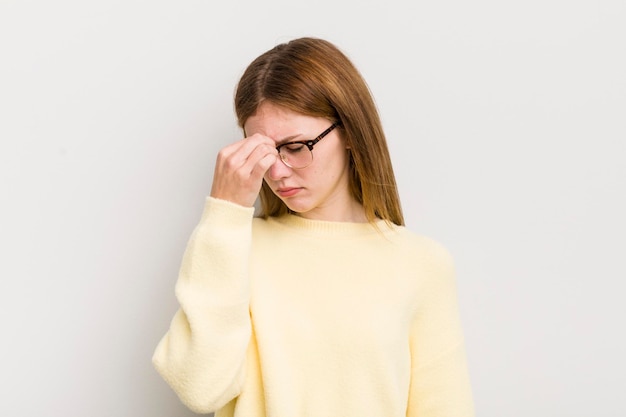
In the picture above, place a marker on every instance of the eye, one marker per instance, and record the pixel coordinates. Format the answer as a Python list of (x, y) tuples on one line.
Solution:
[(293, 147)]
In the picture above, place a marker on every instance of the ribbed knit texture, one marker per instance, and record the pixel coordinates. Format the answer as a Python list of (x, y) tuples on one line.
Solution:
[(295, 317)]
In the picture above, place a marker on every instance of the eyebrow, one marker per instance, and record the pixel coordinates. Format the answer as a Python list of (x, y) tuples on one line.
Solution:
[(287, 139)]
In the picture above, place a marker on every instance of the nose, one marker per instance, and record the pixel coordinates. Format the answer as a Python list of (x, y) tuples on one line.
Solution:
[(278, 170)]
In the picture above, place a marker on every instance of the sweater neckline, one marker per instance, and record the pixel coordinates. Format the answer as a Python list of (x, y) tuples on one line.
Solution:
[(330, 228)]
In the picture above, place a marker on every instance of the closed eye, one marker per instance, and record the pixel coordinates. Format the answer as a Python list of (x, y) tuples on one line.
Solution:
[(292, 147)]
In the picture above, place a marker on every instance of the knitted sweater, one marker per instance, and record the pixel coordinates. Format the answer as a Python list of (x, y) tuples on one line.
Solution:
[(290, 317)]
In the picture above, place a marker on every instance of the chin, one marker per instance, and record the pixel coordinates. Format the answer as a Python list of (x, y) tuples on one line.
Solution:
[(297, 206)]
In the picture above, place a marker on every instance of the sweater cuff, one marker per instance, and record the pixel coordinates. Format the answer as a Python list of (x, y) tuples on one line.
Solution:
[(226, 213)]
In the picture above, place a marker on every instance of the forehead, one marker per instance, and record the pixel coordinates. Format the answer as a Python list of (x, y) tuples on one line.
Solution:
[(279, 122)]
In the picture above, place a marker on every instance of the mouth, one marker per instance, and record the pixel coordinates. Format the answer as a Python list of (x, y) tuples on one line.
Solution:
[(288, 191)]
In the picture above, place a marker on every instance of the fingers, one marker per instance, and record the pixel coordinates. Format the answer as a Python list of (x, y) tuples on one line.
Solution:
[(240, 168), (260, 160), (238, 153), (259, 170)]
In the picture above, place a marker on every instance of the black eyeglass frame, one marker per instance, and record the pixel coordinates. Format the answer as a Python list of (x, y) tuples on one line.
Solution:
[(308, 143)]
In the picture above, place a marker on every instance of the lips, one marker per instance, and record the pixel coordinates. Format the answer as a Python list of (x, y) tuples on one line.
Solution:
[(288, 191)]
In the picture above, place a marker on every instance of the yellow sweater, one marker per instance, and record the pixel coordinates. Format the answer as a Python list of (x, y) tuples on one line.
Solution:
[(290, 317)]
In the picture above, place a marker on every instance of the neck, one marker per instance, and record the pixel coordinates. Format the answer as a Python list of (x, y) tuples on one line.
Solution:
[(350, 213)]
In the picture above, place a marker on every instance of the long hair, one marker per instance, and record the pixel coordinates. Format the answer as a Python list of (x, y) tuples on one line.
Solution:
[(313, 77)]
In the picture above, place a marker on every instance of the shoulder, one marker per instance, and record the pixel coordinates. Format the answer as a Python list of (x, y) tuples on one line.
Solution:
[(423, 248), (432, 270), (428, 262)]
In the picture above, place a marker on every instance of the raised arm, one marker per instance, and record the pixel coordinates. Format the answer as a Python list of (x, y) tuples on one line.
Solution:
[(202, 356)]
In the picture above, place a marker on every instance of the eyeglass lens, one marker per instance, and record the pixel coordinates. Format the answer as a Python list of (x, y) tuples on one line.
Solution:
[(296, 155)]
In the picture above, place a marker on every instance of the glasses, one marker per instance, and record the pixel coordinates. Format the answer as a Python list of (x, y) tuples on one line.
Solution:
[(299, 154)]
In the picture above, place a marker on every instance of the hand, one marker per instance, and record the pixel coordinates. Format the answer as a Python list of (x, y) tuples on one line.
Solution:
[(240, 168)]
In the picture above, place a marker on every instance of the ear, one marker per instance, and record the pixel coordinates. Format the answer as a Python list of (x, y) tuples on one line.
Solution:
[(348, 146), (343, 137)]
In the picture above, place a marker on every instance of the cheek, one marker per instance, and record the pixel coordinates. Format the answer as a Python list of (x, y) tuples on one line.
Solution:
[(335, 166)]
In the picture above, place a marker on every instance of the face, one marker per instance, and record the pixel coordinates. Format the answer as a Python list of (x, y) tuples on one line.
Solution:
[(321, 190)]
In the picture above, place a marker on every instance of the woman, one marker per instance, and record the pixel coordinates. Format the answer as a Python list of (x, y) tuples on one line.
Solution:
[(325, 304)]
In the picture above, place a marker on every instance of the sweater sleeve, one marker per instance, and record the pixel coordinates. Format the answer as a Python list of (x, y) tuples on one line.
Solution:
[(440, 385), (202, 356)]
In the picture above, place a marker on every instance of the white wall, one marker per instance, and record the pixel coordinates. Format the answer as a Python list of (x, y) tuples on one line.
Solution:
[(506, 122)]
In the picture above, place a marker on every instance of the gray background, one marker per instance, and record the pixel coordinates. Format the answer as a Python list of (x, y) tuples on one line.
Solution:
[(506, 126)]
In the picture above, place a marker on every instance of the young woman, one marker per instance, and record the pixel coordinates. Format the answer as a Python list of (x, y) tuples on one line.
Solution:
[(325, 304)]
